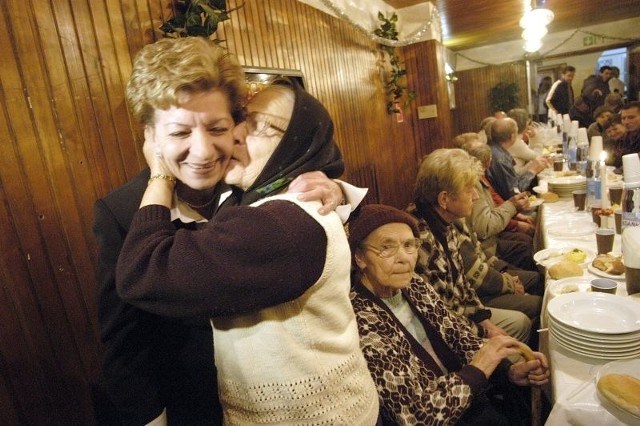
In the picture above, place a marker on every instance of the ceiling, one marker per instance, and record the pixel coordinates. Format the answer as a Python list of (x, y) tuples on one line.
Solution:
[(473, 23)]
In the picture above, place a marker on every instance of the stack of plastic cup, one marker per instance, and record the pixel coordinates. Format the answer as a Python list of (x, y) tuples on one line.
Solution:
[(631, 169), (595, 148), (631, 251)]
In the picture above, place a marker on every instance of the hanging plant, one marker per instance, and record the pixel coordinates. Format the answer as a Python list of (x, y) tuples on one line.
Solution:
[(503, 97), (199, 18), (393, 85)]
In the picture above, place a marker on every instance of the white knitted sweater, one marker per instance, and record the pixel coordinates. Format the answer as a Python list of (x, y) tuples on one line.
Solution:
[(298, 362)]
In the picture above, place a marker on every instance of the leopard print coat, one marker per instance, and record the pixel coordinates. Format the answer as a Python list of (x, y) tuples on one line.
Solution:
[(412, 388), (443, 268)]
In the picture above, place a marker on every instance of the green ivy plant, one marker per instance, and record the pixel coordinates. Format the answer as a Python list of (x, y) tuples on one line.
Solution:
[(504, 96), (199, 18), (393, 85)]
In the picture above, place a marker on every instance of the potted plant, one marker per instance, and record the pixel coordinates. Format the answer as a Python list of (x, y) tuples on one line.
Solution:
[(503, 97), (198, 18)]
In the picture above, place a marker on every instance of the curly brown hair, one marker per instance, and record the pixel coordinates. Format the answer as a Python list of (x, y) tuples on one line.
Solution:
[(170, 68)]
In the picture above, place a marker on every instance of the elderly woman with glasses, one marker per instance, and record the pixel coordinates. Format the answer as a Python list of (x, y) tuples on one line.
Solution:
[(429, 366), (297, 362)]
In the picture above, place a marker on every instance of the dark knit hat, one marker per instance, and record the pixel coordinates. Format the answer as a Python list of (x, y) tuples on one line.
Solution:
[(373, 216)]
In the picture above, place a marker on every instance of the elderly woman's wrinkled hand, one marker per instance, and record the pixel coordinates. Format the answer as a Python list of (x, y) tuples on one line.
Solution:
[(492, 352), (317, 186), (155, 161), (535, 372)]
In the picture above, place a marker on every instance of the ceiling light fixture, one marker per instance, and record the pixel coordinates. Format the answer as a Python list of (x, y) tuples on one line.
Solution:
[(534, 22)]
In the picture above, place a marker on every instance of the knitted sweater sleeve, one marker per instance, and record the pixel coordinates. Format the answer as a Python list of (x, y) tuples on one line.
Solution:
[(487, 220), (247, 259)]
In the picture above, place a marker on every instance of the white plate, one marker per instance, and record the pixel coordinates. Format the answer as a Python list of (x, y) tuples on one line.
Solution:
[(567, 180), (630, 367), (596, 312), (540, 189), (581, 284), (534, 204), (548, 257), (580, 350), (573, 228), (622, 340), (598, 272)]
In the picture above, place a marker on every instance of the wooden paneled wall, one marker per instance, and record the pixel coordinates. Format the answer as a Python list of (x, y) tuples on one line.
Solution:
[(66, 139), (472, 93)]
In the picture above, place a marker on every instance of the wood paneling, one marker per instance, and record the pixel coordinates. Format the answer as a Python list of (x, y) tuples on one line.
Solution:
[(472, 93), (66, 139)]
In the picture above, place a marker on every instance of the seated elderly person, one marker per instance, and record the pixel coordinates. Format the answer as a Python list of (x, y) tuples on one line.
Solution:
[(445, 191), (485, 129), (502, 175), (614, 132), (529, 144), (429, 366), (501, 226)]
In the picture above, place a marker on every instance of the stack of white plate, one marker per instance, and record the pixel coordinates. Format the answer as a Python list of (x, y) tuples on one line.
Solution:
[(565, 185), (596, 325)]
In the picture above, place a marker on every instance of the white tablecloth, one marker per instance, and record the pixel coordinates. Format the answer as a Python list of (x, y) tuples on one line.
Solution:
[(573, 391)]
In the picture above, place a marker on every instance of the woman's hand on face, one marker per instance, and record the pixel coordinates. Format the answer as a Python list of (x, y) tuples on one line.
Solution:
[(155, 161), (492, 352), (534, 372), (317, 186)]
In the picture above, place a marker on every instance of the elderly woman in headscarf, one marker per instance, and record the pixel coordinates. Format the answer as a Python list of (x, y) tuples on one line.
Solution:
[(430, 367), (296, 362)]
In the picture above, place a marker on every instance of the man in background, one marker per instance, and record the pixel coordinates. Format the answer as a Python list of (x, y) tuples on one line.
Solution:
[(596, 88), (560, 96)]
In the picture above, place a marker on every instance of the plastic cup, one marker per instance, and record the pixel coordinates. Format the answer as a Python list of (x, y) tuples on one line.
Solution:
[(596, 217), (579, 199), (595, 148), (604, 285), (618, 217), (558, 164), (631, 169), (632, 278), (604, 240), (615, 195)]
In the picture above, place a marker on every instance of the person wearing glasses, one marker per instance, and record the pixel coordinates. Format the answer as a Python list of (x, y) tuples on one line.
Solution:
[(297, 362), (429, 366)]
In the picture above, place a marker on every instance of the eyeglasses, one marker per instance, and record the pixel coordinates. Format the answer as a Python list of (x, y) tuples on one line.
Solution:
[(389, 249), (262, 126)]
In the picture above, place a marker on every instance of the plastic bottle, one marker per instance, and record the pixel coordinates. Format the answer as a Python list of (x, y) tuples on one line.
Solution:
[(593, 187), (582, 155), (573, 152)]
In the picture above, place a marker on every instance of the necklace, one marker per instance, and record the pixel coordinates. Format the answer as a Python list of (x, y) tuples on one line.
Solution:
[(201, 206)]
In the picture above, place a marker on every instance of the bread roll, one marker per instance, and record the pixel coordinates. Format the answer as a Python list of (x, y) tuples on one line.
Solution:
[(610, 264), (564, 269), (623, 390)]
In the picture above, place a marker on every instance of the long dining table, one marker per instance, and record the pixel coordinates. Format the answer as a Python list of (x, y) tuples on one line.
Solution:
[(572, 390)]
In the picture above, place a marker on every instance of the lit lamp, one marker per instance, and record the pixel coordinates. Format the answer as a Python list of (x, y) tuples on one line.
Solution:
[(534, 22)]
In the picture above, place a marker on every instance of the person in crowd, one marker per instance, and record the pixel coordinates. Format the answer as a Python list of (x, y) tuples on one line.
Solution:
[(602, 115), (156, 368), (528, 145), (444, 192), (615, 84), (502, 174), (485, 129), (630, 142), (596, 88), (463, 138), (614, 131), (429, 366), (499, 114), (541, 99), (614, 102), (581, 112), (502, 226), (296, 362), (560, 96)]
